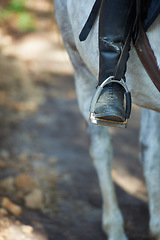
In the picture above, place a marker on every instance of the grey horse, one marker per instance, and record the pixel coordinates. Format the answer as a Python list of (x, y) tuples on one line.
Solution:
[(71, 16)]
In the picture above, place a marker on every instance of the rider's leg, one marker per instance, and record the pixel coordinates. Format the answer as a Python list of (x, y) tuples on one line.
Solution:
[(115, 24)]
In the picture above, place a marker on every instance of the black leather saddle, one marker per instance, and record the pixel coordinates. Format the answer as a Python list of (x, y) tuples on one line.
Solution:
[(147, 11)]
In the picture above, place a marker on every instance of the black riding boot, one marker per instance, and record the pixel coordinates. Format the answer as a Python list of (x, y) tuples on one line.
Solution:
[(115, 25)]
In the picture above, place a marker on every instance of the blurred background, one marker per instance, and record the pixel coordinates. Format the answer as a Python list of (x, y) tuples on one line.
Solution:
[(48, 186)]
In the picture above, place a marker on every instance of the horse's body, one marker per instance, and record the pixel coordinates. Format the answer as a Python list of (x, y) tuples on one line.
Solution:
[(71, 16)]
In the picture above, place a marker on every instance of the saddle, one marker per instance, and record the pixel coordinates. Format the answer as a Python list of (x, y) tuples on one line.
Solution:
[(151, 12), (146, 13)]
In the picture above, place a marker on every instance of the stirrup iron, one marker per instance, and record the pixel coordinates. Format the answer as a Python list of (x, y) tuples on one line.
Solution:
[(100, 121)]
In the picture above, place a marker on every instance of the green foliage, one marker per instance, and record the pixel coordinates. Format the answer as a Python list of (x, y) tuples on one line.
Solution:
[(25, 21), (17, 6)]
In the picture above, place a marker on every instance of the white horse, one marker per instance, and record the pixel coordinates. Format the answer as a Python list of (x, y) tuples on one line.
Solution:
[(71, 16)]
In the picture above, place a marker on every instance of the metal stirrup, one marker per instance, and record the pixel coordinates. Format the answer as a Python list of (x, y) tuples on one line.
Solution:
[(95, 98)]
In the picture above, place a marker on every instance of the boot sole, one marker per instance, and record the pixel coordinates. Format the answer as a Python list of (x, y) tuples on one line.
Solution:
[(110, 116)]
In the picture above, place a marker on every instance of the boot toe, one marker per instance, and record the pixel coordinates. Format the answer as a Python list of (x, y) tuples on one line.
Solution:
[(110, 105), (110, 113)]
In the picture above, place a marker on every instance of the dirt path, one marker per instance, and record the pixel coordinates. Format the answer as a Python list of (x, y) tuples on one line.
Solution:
[(45, 166)]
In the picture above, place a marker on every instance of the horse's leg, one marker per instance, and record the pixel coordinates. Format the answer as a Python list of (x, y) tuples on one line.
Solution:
[(101, 147), (150, 155), (101, 152)]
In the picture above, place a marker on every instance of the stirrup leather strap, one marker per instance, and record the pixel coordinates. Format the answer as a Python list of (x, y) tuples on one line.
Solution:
[(90, 21)]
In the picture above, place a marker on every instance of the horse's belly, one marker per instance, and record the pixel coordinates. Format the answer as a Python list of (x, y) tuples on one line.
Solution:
[(143, 91)]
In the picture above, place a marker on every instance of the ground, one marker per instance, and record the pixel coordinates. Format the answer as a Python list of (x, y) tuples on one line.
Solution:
[(49, 188)]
